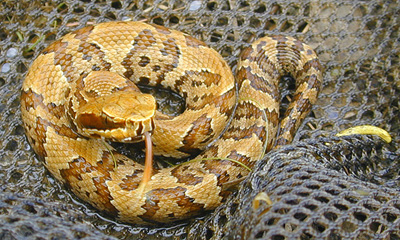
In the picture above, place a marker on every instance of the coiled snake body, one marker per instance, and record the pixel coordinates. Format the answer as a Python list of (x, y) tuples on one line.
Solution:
[(80, 90)]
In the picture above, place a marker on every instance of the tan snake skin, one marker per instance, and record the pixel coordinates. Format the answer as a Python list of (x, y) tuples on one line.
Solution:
[(66, 126)]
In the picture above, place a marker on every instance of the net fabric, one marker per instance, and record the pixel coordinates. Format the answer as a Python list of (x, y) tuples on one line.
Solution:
[(304, 191), (33, 218), (358, 44)]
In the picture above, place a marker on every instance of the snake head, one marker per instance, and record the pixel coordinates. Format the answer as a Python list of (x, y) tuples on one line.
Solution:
[(117, 115)]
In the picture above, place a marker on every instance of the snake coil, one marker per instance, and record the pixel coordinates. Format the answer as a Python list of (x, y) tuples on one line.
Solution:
[(81, 90)]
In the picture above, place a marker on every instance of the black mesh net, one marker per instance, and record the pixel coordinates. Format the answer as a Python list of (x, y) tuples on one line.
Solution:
[(319, 187)]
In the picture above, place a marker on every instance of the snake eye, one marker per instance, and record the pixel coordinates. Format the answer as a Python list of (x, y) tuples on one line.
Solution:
[(100, 122)]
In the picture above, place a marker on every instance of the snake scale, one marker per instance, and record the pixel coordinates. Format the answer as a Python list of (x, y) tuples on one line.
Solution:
[(81, 91)]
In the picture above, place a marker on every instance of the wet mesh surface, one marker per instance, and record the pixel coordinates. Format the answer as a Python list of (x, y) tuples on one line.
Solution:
[(305, 192), (319, 187)]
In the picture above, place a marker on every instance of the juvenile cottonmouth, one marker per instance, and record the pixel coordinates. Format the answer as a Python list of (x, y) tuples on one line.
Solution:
[(80, 91)]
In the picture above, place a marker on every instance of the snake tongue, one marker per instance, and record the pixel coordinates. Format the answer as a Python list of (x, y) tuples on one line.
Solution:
[(148, 165)]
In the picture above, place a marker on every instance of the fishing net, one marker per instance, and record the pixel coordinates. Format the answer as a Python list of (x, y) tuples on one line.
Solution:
[(320, 187)]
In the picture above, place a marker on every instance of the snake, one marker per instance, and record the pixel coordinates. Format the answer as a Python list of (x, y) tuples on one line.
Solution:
[(81, 94)]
